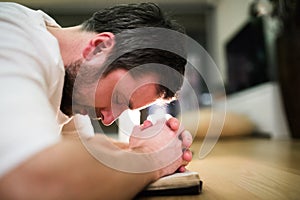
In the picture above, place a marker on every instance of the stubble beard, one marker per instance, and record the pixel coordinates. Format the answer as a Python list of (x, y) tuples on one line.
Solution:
[(68, 89)]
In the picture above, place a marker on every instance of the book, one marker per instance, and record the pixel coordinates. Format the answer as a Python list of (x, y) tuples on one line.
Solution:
[(179, 183)]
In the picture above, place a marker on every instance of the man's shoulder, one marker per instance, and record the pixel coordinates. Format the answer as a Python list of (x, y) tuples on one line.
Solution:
[(8, 8)]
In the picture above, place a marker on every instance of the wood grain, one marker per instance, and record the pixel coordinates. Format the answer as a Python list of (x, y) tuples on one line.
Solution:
[(247, 169)]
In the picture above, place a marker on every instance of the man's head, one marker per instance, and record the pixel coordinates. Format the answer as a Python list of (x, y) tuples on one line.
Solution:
[(131, 47), (120, 20)]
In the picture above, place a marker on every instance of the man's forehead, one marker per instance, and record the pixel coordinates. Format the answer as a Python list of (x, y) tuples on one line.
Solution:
[(139, 89), (143, 96)]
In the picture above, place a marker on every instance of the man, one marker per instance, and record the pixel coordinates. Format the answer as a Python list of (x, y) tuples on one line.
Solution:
[(52, 78)]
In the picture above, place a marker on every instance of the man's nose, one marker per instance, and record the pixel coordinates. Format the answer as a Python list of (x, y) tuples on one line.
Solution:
[(108, 118)]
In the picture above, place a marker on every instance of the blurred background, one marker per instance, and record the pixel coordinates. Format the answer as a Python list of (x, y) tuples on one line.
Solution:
[(254, 43)]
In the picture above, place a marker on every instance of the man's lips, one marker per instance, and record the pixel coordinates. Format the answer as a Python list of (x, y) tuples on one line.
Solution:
[(80, 110), (83, 112)]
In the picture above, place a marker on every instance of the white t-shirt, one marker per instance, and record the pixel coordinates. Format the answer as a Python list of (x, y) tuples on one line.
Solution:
[(31, 83)]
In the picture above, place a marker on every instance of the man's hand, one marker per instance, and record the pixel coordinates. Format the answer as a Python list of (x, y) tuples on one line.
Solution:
[(187, 140), (166, 137)]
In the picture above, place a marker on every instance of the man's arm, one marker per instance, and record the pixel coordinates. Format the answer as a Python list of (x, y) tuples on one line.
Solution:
[(67, 171)]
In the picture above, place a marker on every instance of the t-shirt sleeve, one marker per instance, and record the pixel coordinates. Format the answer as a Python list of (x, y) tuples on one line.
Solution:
[(27, 123), (27, 118)]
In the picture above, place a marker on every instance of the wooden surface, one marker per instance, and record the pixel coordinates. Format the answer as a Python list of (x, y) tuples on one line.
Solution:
[(247, 169)]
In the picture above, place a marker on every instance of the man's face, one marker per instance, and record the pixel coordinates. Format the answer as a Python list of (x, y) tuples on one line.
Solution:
[(115, 93), (112, 94)]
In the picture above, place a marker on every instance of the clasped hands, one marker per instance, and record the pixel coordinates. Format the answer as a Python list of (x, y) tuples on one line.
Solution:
[(166, 137)]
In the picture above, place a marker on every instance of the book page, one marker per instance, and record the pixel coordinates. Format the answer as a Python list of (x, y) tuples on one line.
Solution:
[(176, 180)]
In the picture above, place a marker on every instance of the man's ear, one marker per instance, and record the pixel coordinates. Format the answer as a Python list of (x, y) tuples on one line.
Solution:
[(101, 43)]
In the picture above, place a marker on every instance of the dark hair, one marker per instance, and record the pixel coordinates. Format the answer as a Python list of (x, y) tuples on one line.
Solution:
[(135, 47)]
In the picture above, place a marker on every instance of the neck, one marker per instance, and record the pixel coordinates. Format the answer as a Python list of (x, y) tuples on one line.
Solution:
[(72, 41)]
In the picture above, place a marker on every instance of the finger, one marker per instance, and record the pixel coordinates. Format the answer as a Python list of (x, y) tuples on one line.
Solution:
[(173, 123), (182, 169), (146, 124), (187, 155), (186, 138)]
